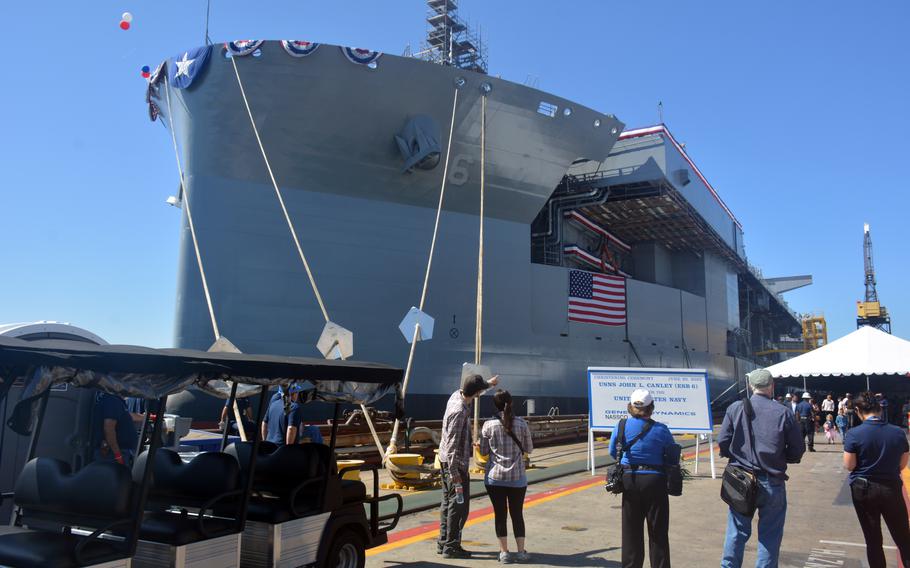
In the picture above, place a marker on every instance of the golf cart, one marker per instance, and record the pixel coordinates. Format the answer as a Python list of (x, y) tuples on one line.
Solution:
[(252, 504)]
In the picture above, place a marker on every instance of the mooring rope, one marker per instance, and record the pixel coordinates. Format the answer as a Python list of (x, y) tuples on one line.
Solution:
[(287, 218), (478, 325), (189, 213), (189, 218), (284, 209), (426, 279)]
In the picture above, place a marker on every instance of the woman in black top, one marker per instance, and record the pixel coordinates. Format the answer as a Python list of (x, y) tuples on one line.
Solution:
[(875, 453)]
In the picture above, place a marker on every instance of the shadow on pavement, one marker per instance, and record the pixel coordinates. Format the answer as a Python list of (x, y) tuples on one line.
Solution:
[(578, 559), (537, 559)]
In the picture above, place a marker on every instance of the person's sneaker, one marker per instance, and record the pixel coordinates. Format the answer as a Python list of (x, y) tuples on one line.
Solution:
[(505, 557), (522, 556), (456, 553), (438, 549)]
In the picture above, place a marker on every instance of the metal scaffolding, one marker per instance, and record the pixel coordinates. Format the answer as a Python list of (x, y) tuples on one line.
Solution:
[(449, 41)]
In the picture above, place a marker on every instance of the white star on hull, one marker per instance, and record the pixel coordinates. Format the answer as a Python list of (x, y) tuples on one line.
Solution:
[(183, 65)]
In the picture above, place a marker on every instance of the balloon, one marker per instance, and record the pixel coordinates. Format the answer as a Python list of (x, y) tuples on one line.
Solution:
[(127, 17), (146, 74), (124, 25), (146, 69)]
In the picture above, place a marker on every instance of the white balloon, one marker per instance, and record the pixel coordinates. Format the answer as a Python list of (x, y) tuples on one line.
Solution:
[(127, 17)]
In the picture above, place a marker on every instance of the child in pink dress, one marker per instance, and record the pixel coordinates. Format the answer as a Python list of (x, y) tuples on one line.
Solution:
[(830, 430)]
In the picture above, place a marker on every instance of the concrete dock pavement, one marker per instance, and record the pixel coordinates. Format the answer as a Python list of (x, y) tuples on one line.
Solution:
[(572, 522)]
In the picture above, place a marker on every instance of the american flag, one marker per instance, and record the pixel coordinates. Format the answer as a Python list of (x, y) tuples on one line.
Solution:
[(597, 298)]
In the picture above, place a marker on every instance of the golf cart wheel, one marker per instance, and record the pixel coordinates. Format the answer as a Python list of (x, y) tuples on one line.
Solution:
[(347, 551)]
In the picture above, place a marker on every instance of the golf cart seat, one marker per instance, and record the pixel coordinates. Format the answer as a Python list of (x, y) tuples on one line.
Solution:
[(179, 528), (353, 491), (210, 479), (290, 481), (53, 500)]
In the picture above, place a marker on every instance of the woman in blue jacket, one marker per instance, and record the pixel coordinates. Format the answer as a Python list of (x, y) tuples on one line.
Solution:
[(645, 495)]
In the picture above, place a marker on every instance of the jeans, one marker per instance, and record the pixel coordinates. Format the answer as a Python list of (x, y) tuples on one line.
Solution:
[(772, 511), (873, 503), (452, 514)]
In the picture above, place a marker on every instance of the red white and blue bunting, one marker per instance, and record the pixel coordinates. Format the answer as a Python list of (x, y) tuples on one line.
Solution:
[(581, 255), (242, 47), (298, 48), (158, 73), (361, 56), (152, 90)]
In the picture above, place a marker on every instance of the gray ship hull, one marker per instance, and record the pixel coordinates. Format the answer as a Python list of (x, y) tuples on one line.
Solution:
[(328, 127)]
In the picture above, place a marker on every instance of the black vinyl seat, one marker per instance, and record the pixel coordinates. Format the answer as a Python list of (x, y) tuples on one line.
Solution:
[(289, 481), (96, 498), (39, 548), (353, 491), (211, 481), (178, 528)]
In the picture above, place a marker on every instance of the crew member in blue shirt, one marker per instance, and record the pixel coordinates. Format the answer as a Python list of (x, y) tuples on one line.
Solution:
[(309, 433), (645, 496), (875, 453), (246, 416), (806, 417), (114, 435), (282, 422)]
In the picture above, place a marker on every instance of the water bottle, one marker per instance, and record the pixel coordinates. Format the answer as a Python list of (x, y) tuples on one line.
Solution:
[(459, 494)]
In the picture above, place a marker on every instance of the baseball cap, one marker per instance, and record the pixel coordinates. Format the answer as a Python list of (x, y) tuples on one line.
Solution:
[(641, 398), (473, 384), (760, 378)]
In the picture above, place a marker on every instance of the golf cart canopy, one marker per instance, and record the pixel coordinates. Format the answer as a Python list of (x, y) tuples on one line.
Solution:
[(143, 372)]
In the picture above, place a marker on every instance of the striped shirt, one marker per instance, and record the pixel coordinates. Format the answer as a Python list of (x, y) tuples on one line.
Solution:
[(506, 464), (455, 446)]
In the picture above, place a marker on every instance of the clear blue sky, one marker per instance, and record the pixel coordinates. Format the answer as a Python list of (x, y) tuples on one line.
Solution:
[(796, 112)]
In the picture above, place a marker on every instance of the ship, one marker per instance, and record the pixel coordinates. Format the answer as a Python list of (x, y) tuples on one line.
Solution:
[(358, 143)]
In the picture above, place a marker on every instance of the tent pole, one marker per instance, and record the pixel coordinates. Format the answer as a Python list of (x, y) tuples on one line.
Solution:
[(804, 384), (867, 383)]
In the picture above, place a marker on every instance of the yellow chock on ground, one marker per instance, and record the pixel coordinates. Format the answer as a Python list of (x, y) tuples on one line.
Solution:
[(480, 461), (354, 474)]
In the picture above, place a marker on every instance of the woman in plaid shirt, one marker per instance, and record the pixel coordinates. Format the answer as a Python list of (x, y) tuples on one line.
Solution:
[(505, 440)]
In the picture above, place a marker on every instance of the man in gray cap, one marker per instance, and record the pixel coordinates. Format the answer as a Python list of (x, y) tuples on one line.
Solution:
[(454, 456), (775, 441)]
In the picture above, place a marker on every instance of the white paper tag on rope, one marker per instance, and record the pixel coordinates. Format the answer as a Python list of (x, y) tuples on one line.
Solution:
[(223, 345), (412, 318), (336, 342), (470, 369)]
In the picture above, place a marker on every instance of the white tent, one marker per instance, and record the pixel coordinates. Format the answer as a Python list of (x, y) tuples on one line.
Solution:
[(867, 351)]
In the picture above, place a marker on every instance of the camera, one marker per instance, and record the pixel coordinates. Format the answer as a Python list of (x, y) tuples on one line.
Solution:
[(613, 482)]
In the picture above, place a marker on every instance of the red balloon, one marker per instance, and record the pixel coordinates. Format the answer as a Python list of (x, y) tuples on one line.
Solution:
[(146, 74), (124, 25)]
